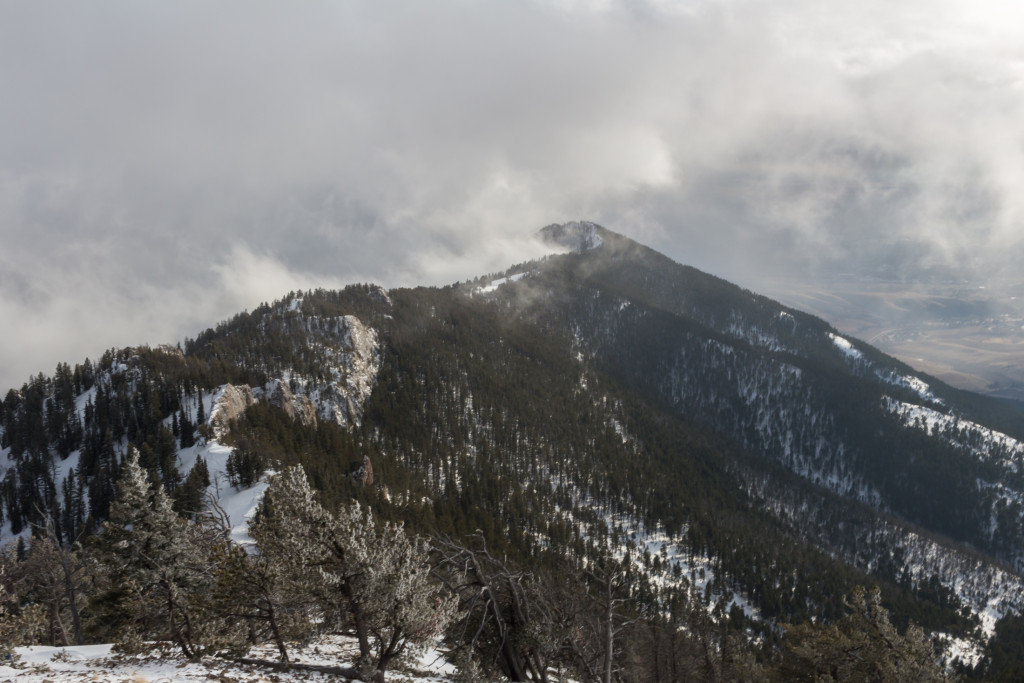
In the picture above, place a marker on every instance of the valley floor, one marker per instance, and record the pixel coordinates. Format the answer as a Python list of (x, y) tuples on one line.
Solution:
[(969, 336)]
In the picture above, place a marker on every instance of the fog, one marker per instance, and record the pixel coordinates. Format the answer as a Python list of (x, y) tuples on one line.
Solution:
[(164, 166)]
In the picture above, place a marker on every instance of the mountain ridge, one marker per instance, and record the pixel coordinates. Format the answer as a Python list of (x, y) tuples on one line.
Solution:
[(603, 399)]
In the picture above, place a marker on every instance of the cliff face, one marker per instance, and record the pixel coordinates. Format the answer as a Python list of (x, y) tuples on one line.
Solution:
[(300, 408), (354, 374), (228, 405)]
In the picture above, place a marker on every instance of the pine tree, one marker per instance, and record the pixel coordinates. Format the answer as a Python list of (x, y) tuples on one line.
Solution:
[(102, 475), (376, 576), (72, 514), (20, 624), (200, 409), (8, 626), (50, 577), (862, 646), (186, 430), (265, 594), (166, 447), (245, 464), (159, 573), (188, 498)]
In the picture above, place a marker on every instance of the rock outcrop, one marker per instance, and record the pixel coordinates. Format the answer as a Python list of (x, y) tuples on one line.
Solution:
[(228, 405), (353, 377), (364, 475), (300, 408)]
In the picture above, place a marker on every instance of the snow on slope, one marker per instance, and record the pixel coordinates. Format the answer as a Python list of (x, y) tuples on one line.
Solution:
[(915, 384), (984, 443), (857, 360), (238, 505), (665, 561), (494, 284), (989, 591), (846, 347)]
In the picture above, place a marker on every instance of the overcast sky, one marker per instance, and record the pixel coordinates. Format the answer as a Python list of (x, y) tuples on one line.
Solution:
[(165, 165)]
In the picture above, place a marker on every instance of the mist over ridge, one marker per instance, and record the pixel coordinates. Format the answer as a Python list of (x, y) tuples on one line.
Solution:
[(164, 168)]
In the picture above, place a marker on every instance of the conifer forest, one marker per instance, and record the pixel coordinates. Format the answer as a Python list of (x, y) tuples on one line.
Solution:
[(600, 465)]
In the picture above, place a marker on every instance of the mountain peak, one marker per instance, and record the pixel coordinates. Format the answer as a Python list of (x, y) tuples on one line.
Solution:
[(578, 236)]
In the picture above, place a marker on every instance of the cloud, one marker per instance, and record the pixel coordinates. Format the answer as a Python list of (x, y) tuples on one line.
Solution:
[(148, 151)]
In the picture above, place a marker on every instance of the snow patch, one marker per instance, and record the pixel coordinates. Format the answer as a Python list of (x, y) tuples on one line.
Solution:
[(493, 286), (238, 505), (915, 384), (846, 347), (965, 650), (986, 444), (100, 663)]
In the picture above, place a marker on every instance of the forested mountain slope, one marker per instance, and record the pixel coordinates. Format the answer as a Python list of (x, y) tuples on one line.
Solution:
[(742, 459), (788, 387)]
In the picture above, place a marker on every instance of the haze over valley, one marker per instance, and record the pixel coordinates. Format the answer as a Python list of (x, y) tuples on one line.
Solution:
[(969, 335)]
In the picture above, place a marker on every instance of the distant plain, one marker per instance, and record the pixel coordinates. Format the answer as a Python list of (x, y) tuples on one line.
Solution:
[(970, 336)]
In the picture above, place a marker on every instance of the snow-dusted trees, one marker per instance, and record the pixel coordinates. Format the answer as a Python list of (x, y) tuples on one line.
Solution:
[(862, 646), (19, 624), (367, 575), (269, 595), (7, 616), (290, 533), (50, 578), (157, 564)]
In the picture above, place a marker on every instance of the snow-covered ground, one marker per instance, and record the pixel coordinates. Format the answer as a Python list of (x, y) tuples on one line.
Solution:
[(640, 546), (239, 505), (494, 284), (856, 358), (99, 663), (846, 347), (984, 443)]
